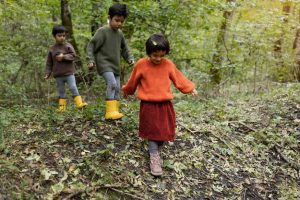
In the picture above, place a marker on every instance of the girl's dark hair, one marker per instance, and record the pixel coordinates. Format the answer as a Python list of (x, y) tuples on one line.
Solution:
[(118, 9), (157, 42), (58, 29)]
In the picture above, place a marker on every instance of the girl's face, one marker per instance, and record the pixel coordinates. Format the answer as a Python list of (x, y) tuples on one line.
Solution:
[(157, 56), (116, 22)]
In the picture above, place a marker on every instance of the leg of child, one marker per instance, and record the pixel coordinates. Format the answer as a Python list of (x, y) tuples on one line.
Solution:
[(62, 101), (153, 147), (72, 85), (155, 161), (61, 87), (77, 98), (111, 84), (117, 89), (160, 144), (112, 104)]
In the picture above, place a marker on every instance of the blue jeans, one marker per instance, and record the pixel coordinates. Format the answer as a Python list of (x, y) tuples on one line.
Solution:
[(70, 79)]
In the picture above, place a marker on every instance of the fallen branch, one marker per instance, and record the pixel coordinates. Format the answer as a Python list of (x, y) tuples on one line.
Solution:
[(243, 124), (252, 192), (73, 194), (293, 164), (77, 192), (188, 129), (113, 187), (207, 131), (230, 180), (128, 194), (244, 194), (219, 138)]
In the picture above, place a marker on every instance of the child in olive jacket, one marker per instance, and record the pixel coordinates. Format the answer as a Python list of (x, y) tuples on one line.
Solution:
[(104, 51)]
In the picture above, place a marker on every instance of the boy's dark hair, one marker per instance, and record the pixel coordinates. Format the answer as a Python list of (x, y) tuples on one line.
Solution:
[(157, 42), (118, 9), (58, 29)]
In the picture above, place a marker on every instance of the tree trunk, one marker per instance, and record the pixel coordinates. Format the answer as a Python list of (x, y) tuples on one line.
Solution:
[(14, 77), (96, 11), (286, 9), (67, 22), (95, 25), (221, 39), (296, 48)]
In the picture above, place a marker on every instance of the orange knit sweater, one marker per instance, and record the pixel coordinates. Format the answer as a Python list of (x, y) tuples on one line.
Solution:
[(154, 81)]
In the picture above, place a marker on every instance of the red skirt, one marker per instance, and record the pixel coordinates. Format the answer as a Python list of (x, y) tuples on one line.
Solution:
[(157, 121)]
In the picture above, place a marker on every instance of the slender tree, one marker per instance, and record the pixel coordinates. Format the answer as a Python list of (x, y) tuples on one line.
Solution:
[(296, 48), (67, 22), (220, 45), (286, 9), (96, 14)]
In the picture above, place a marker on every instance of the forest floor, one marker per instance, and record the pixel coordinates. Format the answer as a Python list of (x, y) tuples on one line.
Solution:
[(235, 147)]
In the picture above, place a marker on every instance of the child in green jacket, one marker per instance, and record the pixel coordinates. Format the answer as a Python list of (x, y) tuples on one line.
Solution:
[(104, 51)]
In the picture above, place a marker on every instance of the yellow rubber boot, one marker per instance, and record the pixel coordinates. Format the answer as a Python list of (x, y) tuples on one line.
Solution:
[(112, 110), (62, 105), (118, 107), (79, 103)]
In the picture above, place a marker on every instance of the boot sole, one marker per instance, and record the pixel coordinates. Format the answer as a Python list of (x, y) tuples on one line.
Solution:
[(156, 174)]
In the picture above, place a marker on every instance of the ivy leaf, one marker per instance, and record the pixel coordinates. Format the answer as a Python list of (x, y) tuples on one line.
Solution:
[(47, 173), (57, 188), (34, 157)]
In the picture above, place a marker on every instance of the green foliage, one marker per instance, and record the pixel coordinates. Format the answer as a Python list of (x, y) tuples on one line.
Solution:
[(238, 144), (232, 141), (191, 26)]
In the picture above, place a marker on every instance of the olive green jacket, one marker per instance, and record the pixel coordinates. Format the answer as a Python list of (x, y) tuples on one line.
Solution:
[(106, 48)]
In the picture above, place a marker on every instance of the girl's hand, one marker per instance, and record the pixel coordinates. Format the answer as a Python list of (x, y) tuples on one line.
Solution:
[(125, 96), (131, 62), (194, 92)]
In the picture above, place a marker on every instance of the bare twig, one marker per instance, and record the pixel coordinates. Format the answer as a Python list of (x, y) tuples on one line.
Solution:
[(128, 194), (186, 128), (73, 194), (219, 138), (230, 180), (254, 193), (197, 58), (209, 131), (227, 51), (286, 159), (242, 123), (111, 187), (244, 194)]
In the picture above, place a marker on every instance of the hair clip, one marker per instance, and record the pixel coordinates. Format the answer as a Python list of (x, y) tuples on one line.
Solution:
[(154, 43)]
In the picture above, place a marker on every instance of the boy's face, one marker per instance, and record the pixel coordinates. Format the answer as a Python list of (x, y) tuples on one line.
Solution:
[(157, 56), (116, 22), (60, 38)]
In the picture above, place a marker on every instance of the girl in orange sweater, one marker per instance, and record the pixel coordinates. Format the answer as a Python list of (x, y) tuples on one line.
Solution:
[(152, 75)]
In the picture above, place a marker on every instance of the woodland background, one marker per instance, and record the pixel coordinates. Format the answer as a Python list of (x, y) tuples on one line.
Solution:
[(239, 139)]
